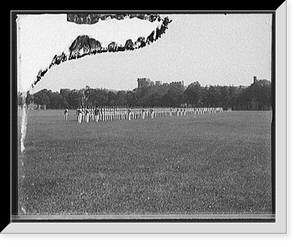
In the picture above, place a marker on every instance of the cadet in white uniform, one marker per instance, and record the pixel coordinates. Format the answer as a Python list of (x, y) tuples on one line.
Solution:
[(97, 112), (152, 113), (87, 115), (79, 115), (66, 114), (129, 114)]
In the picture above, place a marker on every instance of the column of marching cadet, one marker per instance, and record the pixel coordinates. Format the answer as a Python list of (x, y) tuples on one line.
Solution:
[(85, 114)]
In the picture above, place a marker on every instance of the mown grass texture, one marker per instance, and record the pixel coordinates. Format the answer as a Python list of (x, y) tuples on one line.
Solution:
[(204, 164)]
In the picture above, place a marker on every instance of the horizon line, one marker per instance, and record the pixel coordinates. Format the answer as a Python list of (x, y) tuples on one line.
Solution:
[(168, 84)]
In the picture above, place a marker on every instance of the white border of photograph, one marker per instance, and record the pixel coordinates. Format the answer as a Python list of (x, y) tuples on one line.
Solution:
[(280, 227)]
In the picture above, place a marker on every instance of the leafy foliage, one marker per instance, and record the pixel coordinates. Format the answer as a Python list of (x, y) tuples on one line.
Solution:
[(255, 97)]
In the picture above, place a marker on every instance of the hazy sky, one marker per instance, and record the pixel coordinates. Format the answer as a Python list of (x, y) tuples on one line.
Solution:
[(209, 48)]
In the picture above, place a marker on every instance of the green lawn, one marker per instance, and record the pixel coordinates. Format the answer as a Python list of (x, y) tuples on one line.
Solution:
[(211, 163)]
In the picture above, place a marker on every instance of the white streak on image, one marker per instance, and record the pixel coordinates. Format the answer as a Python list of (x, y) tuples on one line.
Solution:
[(23, 124)]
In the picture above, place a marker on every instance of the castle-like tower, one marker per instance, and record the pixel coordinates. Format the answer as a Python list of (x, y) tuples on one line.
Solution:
[(254, 79), (143, 82), (177, 83)]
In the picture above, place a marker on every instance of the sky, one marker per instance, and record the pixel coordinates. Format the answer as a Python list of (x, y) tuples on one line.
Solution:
[(214, 49)]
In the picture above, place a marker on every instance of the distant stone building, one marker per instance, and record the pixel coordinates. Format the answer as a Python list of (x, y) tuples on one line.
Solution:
[(177, 83), (146, 82), (143, 82), (254, 79)]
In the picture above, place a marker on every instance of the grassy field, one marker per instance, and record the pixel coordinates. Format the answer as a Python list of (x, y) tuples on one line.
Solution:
[(211, 163)]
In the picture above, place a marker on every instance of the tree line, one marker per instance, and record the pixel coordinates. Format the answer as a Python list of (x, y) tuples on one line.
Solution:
[(257, 96)]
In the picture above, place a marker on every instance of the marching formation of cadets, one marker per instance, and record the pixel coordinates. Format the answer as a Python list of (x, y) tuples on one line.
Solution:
[(96, 114)]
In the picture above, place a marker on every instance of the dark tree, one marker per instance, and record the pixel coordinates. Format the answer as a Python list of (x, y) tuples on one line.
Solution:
[(57, 101), (111, 98), (260, 94), (41, 97), (131, 98), (121, 98), (20, 100), (193, 94), (174, 96), (29, 98), (74, 99), (98, 97)]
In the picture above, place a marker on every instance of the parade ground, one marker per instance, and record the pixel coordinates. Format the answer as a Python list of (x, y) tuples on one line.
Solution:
[(194, 164)]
